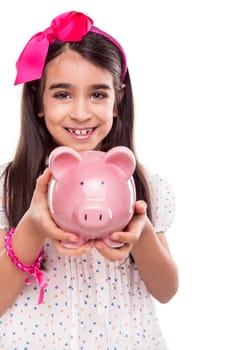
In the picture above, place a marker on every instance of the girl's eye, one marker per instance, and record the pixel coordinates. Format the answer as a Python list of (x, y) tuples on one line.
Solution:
[(98, 96), (62, 95)]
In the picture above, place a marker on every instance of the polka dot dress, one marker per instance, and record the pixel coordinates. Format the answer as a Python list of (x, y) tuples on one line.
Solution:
[(90, 302)]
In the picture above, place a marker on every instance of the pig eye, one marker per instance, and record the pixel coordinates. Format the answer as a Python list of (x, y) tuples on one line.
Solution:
[(102, 182), (81, 183)]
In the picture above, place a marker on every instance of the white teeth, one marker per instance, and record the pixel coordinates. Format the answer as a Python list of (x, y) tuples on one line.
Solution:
[(81, 132)]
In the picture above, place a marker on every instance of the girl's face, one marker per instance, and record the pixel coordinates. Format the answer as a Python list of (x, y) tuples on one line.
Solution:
[(78, 101)]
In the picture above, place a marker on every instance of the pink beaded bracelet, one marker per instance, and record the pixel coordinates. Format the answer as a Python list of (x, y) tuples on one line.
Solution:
[(33, 269)]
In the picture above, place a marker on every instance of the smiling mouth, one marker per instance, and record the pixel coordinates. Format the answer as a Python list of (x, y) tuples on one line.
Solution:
[(80, 132)]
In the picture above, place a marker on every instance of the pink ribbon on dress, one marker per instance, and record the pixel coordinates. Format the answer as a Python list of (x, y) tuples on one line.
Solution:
[(69, 26)]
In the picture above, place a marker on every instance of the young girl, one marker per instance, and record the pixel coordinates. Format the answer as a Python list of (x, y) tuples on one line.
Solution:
[(77, 93)]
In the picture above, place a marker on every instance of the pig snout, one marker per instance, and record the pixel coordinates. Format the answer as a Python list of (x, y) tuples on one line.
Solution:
[(93, 216)]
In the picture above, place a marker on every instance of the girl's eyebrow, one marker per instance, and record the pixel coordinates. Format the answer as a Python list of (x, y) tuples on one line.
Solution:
[(70, 86), (60, 86), (101, 87)]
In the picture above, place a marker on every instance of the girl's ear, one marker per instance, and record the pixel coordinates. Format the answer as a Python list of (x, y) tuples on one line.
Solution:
[(121, 94), (122, 89)]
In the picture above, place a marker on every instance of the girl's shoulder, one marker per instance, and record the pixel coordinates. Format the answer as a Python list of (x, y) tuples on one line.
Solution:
[(3, 168), (2, 176), (2, 172), (157, 182), (3, 221), (162, 199)]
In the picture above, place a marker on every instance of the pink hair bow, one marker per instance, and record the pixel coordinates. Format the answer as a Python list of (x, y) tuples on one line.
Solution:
[(69, 26)]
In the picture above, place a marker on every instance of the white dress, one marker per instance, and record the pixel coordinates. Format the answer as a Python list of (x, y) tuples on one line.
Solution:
[(90, 303)]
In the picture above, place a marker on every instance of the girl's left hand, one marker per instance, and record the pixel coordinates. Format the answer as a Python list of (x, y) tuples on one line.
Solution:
[(128, 237)]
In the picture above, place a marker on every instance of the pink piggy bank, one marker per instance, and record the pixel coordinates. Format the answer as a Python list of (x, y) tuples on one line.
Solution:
[(92, 193)]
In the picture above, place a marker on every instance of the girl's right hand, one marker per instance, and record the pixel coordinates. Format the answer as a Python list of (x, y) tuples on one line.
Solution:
[(41, 221)]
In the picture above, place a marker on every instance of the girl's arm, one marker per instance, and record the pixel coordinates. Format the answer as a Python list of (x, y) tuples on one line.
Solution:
[(154, 261), (150, 252), (34, 228), (156, 265), (26, 247)]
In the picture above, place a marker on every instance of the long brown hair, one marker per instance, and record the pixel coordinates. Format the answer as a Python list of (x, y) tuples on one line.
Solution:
[(35, 142)]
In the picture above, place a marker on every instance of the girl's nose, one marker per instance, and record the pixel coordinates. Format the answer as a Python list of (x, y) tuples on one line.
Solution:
[(80, 117), (80, 111)]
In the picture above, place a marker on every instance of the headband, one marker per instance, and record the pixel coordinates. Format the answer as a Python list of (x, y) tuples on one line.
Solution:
[(67, 27)]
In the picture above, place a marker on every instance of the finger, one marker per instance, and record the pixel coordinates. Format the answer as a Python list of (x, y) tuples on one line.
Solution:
[(126, 237), (43, 180), (140, 207), (113, 254), (71, 251), (54, 232)]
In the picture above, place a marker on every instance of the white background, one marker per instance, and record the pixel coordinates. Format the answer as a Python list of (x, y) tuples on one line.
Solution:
[(180, 58)]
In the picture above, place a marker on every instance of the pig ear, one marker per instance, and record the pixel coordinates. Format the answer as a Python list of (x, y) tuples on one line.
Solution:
[(122, 158), (61, 159)]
